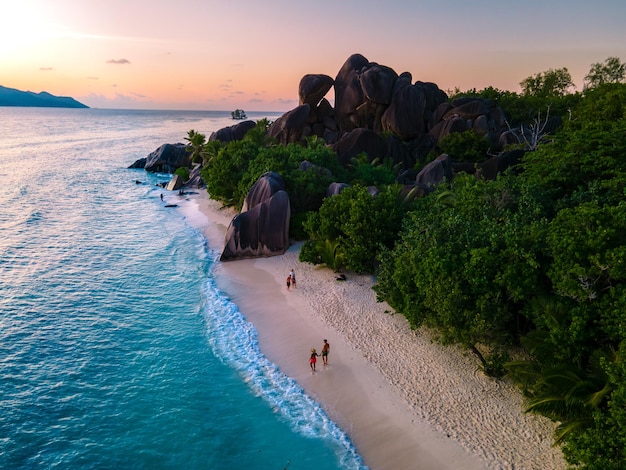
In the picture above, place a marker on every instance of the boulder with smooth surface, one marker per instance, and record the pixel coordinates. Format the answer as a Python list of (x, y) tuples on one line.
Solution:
[(168, 158), (262, 230)]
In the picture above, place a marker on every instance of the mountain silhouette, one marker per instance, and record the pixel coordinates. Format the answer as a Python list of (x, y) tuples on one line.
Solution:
[(13, 97)]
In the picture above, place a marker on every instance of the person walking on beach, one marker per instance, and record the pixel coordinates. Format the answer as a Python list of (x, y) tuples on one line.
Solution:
[(292, 274), (288, 282), (313, 359), (325, 351)]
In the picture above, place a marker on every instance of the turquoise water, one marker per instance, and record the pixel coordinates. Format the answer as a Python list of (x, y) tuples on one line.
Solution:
[(116, 348)]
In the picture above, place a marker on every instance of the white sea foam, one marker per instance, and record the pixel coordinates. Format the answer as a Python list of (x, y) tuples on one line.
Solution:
[(234, 341), (104, 359)]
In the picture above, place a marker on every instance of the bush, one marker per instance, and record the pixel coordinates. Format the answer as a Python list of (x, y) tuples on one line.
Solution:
[(465, 146), (183, 173), (357, 225)]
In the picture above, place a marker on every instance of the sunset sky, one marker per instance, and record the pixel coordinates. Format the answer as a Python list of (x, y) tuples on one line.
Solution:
[(219, 55)]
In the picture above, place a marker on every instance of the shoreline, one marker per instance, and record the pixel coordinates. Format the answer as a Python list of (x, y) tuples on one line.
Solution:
[(403, 400)]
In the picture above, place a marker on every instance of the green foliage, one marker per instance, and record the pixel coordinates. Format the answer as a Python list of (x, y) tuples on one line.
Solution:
[(359, 223), (495, 363), (464, 268), (296, 222), (587, 245), (603, 104), (224, 164), (536, 259), (549, 341), (258, 134), (326, 252), (584, 163), (553, 82), (522, 108), (183, 173), (541, 92), (372, 173), (307, 189), (613, 70), (226, 168), (567, 393), (196, 143), (465, 146), (234, 167), (602, 444)]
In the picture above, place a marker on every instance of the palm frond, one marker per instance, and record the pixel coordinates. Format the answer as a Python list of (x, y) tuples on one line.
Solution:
[(566, 428)]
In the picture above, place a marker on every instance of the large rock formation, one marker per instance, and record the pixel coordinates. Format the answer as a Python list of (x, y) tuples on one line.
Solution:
[(462, 114), (195, 178), (290, 127), (234, 132), (412, 107), (378, 113), (490, 169), (166, 159), (434, 173), (262, 228), (348, 92), (385, 116), (360, 141), (374, 97), (313, 88), (405, 114)]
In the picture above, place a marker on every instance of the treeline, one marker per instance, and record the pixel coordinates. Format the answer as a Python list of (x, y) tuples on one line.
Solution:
[(527, 270)]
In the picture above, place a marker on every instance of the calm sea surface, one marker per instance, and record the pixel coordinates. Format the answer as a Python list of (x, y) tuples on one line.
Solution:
[(116, 349)]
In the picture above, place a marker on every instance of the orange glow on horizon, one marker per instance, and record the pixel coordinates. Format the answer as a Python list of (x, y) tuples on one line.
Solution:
[(194, 54)]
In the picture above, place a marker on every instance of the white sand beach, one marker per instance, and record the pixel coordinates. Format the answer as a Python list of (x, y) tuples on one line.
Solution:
[(405, 401)]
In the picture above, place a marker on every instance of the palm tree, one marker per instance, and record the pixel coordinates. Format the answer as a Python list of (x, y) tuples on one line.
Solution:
[(196, 145), (567, 393), (446, 198), (259, 134), (330, 253)]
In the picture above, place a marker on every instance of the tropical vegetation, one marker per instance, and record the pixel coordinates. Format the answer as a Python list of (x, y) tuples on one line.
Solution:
[(528, 270)]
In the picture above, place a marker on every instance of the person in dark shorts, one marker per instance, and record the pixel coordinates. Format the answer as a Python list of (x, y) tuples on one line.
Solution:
[(325, 351)]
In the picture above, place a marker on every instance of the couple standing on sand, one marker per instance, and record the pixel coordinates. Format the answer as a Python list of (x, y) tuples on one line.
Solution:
[(291, 279), (325, 351)]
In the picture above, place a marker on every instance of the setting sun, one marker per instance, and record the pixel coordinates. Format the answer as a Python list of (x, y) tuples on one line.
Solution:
[(22, 28)]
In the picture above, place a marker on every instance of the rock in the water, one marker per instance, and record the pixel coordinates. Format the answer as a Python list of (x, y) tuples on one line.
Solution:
[(139, 164), (175, 183), (168, 158)]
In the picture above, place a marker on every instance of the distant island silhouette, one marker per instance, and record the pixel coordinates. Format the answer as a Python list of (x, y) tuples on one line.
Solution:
[(13, 97)]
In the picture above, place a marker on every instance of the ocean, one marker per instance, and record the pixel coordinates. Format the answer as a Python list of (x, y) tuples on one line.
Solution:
[(117, 351)]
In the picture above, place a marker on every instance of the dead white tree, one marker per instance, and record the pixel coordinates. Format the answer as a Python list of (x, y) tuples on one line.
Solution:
[(534, 134)]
